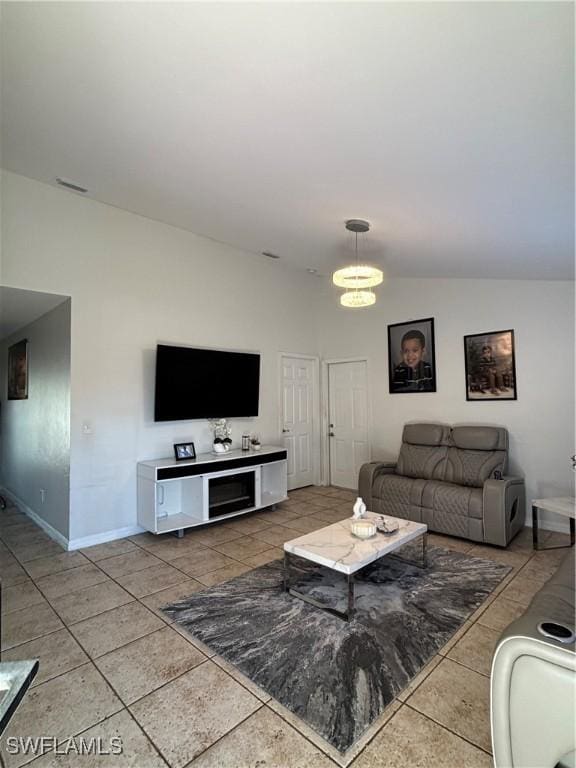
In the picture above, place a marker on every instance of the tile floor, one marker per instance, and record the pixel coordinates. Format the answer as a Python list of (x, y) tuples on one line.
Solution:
[(111, 665)]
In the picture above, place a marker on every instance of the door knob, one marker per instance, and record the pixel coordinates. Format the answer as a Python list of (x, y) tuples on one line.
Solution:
[(330, 434), (285, 430)]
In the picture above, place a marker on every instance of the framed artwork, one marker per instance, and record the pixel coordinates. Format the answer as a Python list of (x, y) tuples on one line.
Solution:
[(183, 451), (490, 366), (18, 371), (411, 359)]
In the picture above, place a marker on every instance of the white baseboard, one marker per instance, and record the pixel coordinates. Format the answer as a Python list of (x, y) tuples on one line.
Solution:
[(70, 544), (102, 538), (52, 532)]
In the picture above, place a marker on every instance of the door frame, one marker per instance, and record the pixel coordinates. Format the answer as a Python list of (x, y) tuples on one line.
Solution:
[(325, 442), (316, 420)]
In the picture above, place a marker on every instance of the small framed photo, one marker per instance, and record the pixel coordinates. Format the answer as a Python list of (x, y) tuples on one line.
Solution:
[(184, 451), (18, 371), (411, 359), (490, 366)]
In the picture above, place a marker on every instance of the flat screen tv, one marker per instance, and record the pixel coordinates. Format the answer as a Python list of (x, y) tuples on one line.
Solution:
[(205, 384)]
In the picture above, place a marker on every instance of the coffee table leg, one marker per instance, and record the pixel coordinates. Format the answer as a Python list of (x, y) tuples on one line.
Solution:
[(535, 527), (286, 572), (347, 616), (425, 550), (572, 531), (350, 612)]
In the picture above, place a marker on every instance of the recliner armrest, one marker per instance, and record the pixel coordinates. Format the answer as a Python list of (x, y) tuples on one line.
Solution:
[(368, 473), (532, 704), (503, 509)]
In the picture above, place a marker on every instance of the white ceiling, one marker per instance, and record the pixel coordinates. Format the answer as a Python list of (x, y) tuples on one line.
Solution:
[(18, 308), (265, 125)]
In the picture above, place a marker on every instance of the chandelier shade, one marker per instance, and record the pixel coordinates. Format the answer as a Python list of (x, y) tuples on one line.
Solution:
[(358, 276), (357, 299)]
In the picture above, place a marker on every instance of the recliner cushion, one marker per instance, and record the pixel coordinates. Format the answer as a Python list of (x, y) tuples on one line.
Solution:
[(398, 496), (452, 499), (472, 468), (426, 434), (422, 461), (480, 438)]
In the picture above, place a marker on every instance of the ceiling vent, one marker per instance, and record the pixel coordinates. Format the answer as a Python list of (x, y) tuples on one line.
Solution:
[(270, 255), (70, 185)]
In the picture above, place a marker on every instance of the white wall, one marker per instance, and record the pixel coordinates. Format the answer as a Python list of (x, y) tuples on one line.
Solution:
[(540, 422), (35, 434), (133, 283), (136, 282)]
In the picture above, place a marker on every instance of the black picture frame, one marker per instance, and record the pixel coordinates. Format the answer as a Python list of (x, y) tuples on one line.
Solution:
[(403, 376), (18, 371), (490, 364), (184, 451)]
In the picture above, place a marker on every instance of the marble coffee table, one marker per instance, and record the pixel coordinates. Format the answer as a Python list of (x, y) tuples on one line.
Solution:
[(335, 547)]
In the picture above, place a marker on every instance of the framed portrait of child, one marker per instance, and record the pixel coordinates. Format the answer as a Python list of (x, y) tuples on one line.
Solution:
[(18, 371), (411, 359), (490, 366)]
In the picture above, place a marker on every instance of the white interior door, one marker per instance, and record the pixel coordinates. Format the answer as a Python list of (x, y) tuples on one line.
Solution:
[(348, 422), (298, 419)]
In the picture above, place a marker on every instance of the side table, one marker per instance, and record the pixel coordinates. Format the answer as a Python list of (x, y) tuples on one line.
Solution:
[(565, 506)]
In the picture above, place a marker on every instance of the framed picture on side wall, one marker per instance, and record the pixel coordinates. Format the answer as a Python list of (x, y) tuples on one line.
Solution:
[(18, 371), (411, 359), (490, 366)]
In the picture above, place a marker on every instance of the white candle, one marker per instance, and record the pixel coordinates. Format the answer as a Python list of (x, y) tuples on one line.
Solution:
[(364, 529)]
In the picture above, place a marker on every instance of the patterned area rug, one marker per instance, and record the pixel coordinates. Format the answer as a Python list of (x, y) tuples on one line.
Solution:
[(339, 676)]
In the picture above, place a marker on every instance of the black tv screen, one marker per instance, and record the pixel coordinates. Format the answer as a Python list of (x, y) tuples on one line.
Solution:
[(205, 384)]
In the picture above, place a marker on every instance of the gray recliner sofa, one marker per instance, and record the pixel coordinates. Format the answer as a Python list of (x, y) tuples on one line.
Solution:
[(451, 478), (533, 680)]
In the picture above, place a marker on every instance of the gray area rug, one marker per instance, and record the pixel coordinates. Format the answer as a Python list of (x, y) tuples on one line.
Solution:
[(334, 675)]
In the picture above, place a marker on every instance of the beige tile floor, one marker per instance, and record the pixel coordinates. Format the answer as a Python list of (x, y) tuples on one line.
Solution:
[(111, 665)]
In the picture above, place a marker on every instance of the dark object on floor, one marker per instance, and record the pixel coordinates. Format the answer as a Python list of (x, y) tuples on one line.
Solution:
[(534, 679), (339, 676), (447, 478)]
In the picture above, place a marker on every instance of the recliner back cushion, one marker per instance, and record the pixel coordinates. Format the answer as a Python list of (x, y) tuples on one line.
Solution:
[(423, 461), (480, 438), (473, 468), (426, 434)]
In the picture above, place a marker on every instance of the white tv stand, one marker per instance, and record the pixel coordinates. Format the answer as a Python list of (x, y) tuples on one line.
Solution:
[(173, 495)]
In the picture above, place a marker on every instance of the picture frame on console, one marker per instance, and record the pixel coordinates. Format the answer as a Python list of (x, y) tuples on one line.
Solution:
[(490, 364), (184, 451), (411, 357), (18, 371)]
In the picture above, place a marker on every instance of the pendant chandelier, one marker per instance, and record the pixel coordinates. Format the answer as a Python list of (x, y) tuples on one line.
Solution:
[(358, 279)]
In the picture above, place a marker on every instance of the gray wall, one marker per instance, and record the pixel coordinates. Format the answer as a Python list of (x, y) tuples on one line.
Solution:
[(35, 433)]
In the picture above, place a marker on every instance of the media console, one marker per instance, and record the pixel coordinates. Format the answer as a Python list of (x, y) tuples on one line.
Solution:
[(173, 495)]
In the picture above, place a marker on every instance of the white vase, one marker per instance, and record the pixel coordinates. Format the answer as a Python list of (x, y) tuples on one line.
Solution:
[(359, 509)]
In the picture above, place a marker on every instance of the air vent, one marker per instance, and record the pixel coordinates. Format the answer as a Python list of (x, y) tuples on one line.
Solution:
[(270, 255), (70, 185)]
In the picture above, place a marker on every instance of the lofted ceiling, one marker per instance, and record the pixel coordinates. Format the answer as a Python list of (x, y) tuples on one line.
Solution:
[(266, 125)]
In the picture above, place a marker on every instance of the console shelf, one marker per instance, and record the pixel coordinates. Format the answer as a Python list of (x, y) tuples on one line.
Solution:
[(174, 495)]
